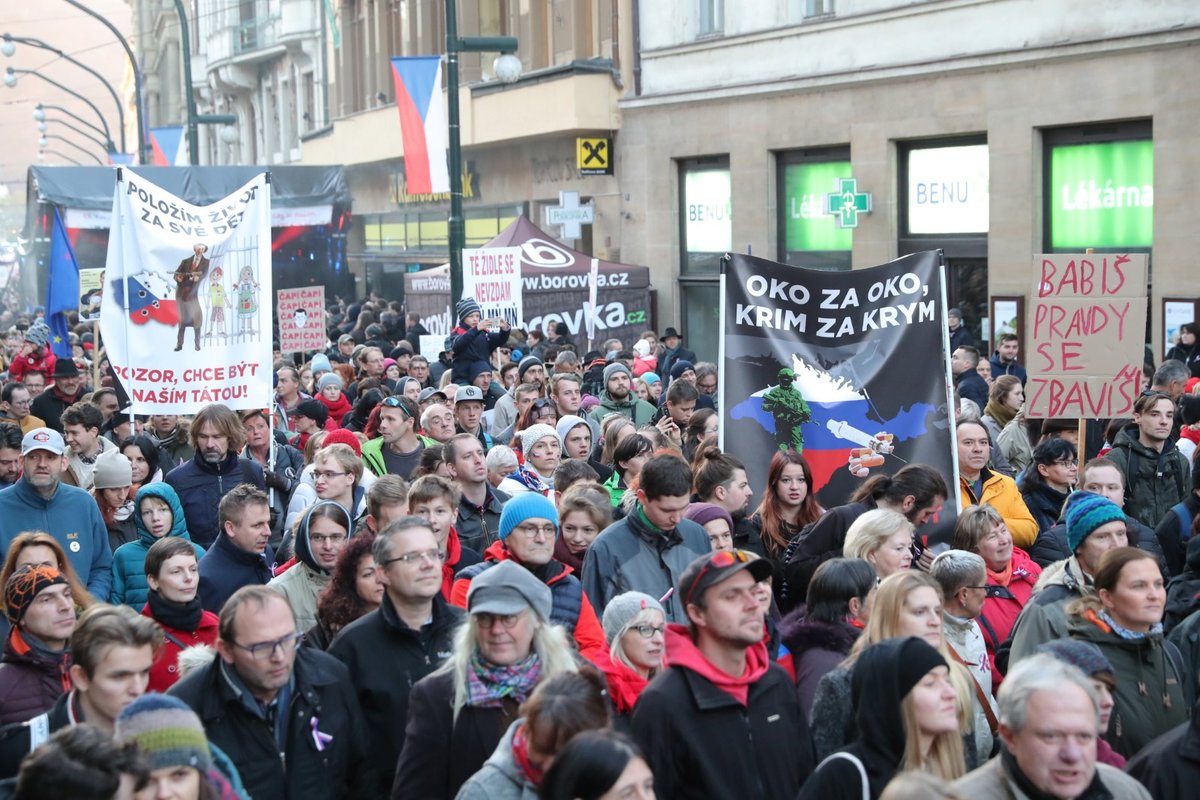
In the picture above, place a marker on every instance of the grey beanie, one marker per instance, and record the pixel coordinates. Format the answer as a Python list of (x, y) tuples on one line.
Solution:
[(531, 435), (622, 610), (329, 379), (613, 369), (112, 471)]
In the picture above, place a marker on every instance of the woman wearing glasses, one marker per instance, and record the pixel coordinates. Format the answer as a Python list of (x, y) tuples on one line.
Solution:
[(458, 714), (1048, 480), (320, 538), (635, 628)]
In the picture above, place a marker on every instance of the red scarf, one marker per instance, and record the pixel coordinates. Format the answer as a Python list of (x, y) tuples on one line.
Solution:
[(453, 553), (520, 752), (1002, 578), (337, 408), (682, 652), (624, 684)]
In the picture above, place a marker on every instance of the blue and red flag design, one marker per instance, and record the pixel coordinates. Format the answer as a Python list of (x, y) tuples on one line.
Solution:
[(418, 82), (168, 147)]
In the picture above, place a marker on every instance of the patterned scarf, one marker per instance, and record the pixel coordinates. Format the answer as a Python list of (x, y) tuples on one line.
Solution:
[(488, 684), (1125, 633), (530, 480)]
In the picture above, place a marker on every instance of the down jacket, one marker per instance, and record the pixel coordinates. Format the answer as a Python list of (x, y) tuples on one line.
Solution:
[(201, 486), (1000, 491), (129, 586)]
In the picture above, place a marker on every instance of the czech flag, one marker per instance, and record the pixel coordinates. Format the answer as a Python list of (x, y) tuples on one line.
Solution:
[(169, 147), (422, 123)]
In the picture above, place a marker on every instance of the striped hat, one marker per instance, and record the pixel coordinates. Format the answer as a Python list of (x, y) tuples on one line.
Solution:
[(167, 733), (466, 307), (1087, 511)]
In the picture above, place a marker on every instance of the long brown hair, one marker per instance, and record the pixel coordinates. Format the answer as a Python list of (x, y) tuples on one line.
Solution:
[(776, 532), (339, 604), (79, 592)]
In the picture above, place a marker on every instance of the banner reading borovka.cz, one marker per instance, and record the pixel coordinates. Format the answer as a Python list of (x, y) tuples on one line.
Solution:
[(186, 313), (837, 365)]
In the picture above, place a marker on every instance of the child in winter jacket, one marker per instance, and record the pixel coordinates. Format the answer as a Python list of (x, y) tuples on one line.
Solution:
[(35, 355), (471, 341)]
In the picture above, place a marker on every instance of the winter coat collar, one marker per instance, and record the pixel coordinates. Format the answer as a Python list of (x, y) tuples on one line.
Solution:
[(227, 466), (799, 634)]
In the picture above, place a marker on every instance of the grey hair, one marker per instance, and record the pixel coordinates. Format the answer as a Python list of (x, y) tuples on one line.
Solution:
[(501, 459), (1171, 370), (955, 569), (381, 548), (1038, 673)]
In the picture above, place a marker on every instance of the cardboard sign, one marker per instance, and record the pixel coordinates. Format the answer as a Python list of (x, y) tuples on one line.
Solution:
[(301, 316), (492, 275), (1088, 330)]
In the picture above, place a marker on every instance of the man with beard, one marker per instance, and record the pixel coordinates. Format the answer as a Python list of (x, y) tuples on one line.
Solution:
[(217, 435), (39, 501), (66, 390), (10, 454), (617, 398)]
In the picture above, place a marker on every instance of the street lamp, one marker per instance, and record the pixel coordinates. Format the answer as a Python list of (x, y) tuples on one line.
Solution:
[(10, 80), (42, 126), (39, 114), (511, 69), (45, 140), (43, 153), (9, 47)]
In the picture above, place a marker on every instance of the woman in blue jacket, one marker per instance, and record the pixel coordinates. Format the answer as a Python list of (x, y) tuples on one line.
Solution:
[(157, 513)]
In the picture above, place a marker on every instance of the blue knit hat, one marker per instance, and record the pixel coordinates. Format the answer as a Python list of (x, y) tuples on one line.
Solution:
[(167, 732), (466, 307), (1087, 511), (527, 506)]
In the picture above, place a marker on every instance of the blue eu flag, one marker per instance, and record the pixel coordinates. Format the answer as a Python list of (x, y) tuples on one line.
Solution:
[(62, 293)]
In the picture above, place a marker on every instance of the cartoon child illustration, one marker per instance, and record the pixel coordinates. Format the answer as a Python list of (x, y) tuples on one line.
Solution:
[(247, 300), (217, 303)]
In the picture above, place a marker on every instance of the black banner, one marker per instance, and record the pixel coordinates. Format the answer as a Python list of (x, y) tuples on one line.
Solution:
[(838, 365)]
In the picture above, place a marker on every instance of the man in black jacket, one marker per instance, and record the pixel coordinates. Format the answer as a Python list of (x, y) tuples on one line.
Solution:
[(967, 382), (402, 641), (722, 720), (241, 555), (285, 715)]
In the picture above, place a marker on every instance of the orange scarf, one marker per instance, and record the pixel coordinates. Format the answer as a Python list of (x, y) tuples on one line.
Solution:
[(1001, 578)]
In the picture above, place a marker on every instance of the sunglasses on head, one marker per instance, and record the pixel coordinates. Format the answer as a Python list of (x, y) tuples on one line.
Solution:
[(394, 402), (718, 560)]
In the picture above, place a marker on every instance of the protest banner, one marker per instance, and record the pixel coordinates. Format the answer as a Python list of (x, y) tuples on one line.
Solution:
[(838, 366), (186, 312), (1087, 337), (301, 315), (90, 290), (492, 275)]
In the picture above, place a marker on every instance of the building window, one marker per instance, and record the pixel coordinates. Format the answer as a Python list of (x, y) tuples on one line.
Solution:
[(799, 10), (710, 17), (705, 235), (809, 235)]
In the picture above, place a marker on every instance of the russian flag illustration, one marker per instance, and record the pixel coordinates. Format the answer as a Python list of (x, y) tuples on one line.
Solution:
[(168, 147), (422, 123)]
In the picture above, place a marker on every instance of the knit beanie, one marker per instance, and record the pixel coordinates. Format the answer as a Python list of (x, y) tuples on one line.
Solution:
[(680, 367), (466, 307), (320, 363), (314, 410), (530, 505), (343, 436), (329, 379), (112, 471), (703, 513), (530, 435), (167, 733), (1085, 655), (38, 334), (566, 424), (650, 378), (525, 363), (1087, 511), (613, 369), (622, 610), (24, 585)]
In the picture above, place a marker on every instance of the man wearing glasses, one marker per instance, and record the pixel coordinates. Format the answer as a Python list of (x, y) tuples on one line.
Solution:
[(402, 641), (14, 408), (722, 720), (286, 716)]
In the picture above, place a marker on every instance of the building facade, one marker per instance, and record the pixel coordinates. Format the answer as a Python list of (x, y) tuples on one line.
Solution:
[(992, 130)]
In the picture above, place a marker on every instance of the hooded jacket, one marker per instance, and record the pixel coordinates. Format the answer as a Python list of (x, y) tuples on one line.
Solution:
[(201, 486), (31, 678), (1044, 617), (630, 555), (1153, 481), (500, 778), (302, 584), (633, 407), (703, 742), (1000, 491), (625, 686), (129, 586), (1150, 698)]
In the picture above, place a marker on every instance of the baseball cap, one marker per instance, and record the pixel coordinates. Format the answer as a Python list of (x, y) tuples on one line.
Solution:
[(715, 567), (509, 588), (430, 391), (43, 439), (467, 394)]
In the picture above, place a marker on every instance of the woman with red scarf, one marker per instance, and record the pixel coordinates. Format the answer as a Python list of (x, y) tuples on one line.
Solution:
[(635, 627)]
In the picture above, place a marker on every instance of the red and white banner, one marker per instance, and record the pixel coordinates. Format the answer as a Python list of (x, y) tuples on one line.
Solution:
[(301, 315), (492, 275)]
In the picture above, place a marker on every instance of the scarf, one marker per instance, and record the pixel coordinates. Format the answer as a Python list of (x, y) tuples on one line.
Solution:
[(489, 685), (1002, 578), (1125, 633), (999, 412), (179, 616), (337, 408), (23, 642), (530, 480), (624, 684), (520, 753), (563, 554)]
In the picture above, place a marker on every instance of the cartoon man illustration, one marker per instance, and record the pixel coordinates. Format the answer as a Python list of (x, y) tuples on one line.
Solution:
[(300, 317), (217, 303), (247, 300), (188, 275), (787, 405)]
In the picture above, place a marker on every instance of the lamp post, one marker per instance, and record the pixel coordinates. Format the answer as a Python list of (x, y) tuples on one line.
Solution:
[(10, 80), (139, 99), (194, 118), (43, 125), (39, 114), (46, 137), (8, 48), (506, 45), (43, 153)]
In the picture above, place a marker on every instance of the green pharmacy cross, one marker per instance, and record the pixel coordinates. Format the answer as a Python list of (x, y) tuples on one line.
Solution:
[(847, 203)]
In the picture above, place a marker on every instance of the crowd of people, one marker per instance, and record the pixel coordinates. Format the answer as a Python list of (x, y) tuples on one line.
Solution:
[(515, 570)]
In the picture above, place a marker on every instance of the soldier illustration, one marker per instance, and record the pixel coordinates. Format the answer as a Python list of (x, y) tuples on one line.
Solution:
[(217, 303), (247, 300), (787, 405), (188, 275)]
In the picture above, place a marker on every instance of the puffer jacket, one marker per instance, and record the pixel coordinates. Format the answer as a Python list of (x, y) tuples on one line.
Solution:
[(30, 679), (1153, 481), (1000, 492), (129, 575), (201, 486), (500, 777), (1150, 698), (304, 581)]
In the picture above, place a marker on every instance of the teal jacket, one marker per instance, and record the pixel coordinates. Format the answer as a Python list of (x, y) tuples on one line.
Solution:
[(129, 586)]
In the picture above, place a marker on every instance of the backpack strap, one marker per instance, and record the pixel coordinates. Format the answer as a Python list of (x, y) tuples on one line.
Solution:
[(980, 695), (862, 770)]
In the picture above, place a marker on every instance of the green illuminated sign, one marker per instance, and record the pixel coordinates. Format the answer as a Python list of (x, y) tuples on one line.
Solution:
[(807, 224), (1102, 195)]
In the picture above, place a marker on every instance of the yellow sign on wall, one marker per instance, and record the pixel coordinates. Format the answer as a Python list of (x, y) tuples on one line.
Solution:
[(593, 156)]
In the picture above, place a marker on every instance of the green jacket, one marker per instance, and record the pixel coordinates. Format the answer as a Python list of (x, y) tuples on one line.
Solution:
[(1153, 481), (372, 453), (1044, 617), (639, 411)]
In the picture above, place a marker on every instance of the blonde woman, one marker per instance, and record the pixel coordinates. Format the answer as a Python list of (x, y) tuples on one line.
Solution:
[(883, 538)]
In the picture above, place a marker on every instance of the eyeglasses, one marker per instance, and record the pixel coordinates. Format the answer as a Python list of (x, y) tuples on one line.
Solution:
[(327, 474), (719, 560), (436, 556), (648, 631), (1067, 462), (394, 402), (531, 531), (332, 538), (261, 650), (486, 621)]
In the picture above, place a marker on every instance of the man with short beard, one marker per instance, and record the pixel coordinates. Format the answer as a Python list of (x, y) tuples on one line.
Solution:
[(217, 436), (617, 397), (10, 454), (66, 390), (39, 501)]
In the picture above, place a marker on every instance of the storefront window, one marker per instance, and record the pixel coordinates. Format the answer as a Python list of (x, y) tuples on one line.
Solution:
[(706, 215), (946, 190), (1100, 194), (811, 237)]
